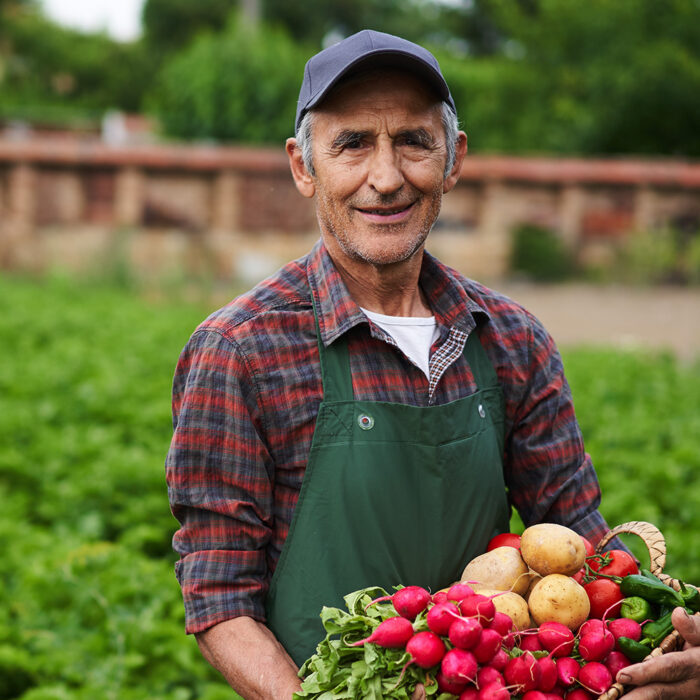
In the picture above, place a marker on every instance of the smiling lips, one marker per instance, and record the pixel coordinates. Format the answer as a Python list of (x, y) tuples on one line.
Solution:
[(386, 215)]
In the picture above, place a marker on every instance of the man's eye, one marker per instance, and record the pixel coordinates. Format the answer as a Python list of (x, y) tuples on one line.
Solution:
[(352, 144)]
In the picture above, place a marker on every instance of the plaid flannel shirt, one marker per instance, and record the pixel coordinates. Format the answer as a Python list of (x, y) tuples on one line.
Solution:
[(245, 398)]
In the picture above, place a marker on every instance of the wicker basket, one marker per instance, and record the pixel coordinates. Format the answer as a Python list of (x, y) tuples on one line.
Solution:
[(655, 543)]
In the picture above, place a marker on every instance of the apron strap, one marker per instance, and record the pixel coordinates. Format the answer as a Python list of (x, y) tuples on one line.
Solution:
[(484, 374)]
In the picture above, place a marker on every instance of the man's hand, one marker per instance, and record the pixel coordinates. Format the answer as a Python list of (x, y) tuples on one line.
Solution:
[(672, 675), (419, 693)]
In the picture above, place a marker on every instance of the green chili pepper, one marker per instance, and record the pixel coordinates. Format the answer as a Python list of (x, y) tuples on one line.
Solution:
[(653, 591), (634, 651), (654, 632), (636, 608), (647, 574), (691, 597)]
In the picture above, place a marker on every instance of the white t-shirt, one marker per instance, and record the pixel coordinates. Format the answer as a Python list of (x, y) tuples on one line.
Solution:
[(414, 335)]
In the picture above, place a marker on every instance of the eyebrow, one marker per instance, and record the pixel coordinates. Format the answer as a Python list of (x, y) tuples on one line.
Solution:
[(346, 137), (349, 136)]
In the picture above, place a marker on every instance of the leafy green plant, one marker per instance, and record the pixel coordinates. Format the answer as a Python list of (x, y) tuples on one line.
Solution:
[(540, 255)]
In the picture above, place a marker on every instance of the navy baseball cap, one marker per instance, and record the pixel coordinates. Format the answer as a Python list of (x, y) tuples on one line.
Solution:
[(367, 47)]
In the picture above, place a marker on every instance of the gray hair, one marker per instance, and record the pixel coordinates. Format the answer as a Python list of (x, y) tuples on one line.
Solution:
[(449, 122)]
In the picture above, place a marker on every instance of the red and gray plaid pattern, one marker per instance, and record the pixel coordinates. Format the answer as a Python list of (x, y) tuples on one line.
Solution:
[(246, 393)]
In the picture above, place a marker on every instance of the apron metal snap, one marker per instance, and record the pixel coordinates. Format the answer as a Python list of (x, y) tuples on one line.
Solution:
[(482, 412), (365, 421)]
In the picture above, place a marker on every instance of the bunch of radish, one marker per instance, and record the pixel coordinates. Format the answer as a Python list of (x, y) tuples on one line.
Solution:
[(473, 652)]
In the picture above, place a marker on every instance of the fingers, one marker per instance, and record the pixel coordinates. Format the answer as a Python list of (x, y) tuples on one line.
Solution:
[(687, 626), (673, 675)]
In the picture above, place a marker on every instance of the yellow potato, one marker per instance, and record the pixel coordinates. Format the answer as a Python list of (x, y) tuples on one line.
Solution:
[(501, 568), (558, 598), (552, 549), (511, 604)]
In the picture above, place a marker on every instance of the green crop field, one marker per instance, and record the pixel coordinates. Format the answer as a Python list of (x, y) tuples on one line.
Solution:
[(89, 605)]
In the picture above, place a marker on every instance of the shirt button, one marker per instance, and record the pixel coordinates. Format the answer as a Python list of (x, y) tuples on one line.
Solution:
[(482, 412)]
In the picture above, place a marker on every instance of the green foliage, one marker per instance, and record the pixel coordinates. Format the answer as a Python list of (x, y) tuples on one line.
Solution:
[(241, 85), (89, 604), (540, 254)]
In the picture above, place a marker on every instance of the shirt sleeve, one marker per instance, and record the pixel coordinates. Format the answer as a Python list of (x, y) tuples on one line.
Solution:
[(218, 473), (549, 475)]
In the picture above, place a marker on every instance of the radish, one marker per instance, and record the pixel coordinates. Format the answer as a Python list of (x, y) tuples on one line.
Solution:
[(499, 660), (469, 693), (534, 695), (494, 691), (531, 642), (465, 632), (478, 606), (501, 623), (592, 625), (595, 647), (623, 627), (448, 686), (459, 591), (567, 670), (522, 673), (595, 677), (426, 649), (459, 666), (441, 616), (440, 597), (393, 633), (579, 694), (489, 643), (408, 602), (487, 675), (615, 661), (556, 638), (548, 674)]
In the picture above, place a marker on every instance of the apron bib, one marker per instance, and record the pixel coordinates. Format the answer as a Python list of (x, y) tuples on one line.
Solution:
[(392, 494)]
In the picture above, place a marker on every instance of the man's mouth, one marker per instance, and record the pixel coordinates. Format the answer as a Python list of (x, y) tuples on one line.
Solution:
[(390, 214)]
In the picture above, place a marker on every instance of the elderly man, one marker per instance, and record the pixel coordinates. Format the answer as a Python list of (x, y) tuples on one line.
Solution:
[(366, 416)]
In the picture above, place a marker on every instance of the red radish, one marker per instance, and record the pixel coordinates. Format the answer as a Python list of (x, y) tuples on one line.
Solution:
[(469, 693), (615, 661), (567, 670), (465, 632), (459, 591), (579, 694), (623, 627), (556, 638), (595, 677), (535, 695), (501, 623), (478, 606), (489, 643), (447, 686), (548, 674), (425, 648), (591, 625), (440, 597), (531, 642), (522, 673), (500, 659), (441, 616), (459, 666), (595, 647), (408, 602), (393, 633), (487, 675), (494, 691)]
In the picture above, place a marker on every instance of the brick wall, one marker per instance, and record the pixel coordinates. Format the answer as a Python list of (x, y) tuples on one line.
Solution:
[(234, 212)]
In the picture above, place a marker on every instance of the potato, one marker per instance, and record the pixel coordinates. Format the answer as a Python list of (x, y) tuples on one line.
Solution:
[(511, 604), (558, 598), (501, 568), (552, 549)]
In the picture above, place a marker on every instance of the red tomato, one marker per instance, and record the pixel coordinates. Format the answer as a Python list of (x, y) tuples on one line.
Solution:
[(603, 593), (505, 539), (590, 549), (578, 576), (621, 564)]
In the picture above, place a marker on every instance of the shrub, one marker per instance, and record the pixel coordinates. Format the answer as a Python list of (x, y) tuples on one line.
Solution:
[(540, 255)]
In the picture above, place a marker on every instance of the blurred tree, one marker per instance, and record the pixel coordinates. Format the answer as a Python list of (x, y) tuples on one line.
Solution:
[(239, 85)]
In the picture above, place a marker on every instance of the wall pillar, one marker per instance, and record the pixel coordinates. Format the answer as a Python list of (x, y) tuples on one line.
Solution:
[(645, 207), (571, 207), (18, 243), (225, 201), (129, 196)]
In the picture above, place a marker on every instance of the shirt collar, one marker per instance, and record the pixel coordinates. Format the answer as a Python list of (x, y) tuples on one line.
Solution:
[(338, 313)]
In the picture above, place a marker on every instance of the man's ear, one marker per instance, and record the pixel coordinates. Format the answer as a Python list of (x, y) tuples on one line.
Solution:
[(302, 177), (460, 152)]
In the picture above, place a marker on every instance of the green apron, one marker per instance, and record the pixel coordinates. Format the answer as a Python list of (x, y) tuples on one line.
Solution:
[(392, 494)]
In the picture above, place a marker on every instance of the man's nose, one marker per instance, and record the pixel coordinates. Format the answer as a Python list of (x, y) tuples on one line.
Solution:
[(385, 174)]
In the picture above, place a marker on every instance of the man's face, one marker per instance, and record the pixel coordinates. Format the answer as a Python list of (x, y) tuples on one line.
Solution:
[(379, 156)]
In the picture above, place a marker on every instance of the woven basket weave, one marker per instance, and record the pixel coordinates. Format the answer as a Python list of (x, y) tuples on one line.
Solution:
[(655, 543)]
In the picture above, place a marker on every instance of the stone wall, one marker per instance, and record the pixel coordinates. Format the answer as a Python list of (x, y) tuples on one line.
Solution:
[(235, 213)]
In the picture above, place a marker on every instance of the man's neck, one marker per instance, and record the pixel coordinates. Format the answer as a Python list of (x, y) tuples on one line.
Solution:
[(392, 290)]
